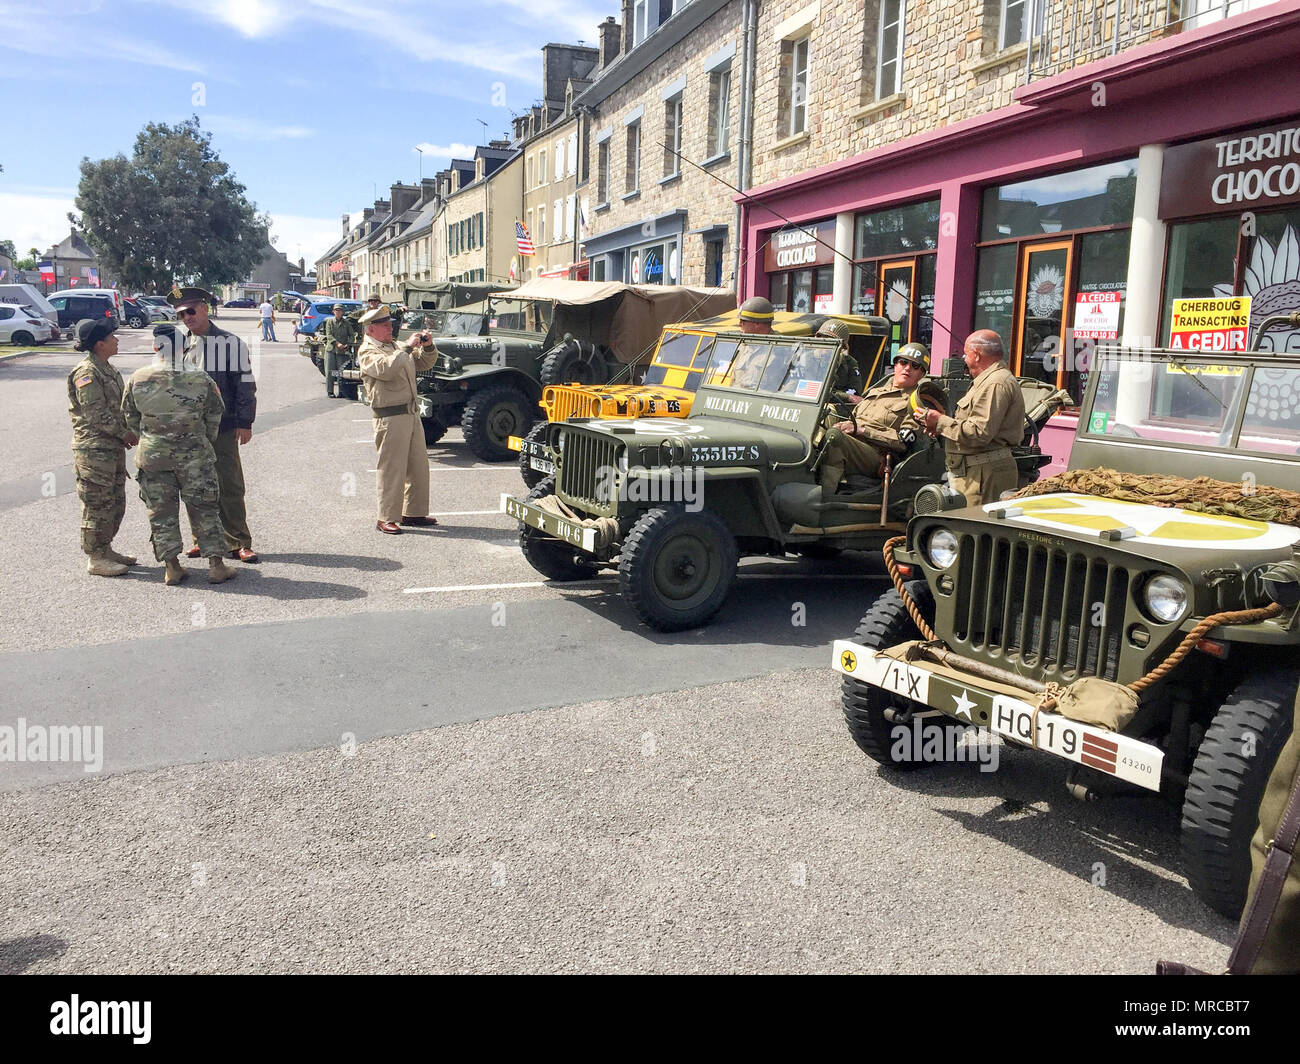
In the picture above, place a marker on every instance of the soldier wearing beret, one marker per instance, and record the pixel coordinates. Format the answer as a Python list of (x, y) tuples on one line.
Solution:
[(227, 361), (176, 408), (388, 370), (988, 422), (860, 444), (100, 438)]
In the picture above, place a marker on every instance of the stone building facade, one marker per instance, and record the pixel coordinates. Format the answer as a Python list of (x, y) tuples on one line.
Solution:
[(479, 219), (669, 100)]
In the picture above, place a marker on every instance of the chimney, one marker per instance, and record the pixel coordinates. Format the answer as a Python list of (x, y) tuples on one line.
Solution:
[(403, 197), (428, 189), (609, 41), (346, 226)]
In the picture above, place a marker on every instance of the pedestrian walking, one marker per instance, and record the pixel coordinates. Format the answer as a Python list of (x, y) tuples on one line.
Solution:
[(227, 361), (388, 370), (176, 409), (268, 321), (100, 439)]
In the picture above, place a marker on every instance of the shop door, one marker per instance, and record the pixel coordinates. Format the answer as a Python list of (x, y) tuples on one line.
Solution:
[(1038, 331), (895, 299)]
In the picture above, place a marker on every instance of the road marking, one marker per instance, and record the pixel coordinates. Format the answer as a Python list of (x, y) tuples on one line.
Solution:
[(469, 513), (457, 469), (504, 587)]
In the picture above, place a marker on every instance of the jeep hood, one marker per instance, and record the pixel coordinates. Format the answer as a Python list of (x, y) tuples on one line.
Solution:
[(779, 445)]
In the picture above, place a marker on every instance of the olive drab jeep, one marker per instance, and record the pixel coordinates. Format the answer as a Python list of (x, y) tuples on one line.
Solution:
[(1143, 627), (670, 381), (672, 504), (492, 366)]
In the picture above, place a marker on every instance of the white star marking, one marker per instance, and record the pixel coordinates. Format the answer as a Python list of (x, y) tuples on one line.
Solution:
[(964, 704)]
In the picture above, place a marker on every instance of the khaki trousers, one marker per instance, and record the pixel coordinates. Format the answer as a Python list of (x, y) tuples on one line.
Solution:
[(230, 475), (984, 483), (846, 455), (402, 476)]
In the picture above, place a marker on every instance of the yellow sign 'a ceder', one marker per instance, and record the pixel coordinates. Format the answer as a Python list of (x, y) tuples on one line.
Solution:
[(1209, 324)]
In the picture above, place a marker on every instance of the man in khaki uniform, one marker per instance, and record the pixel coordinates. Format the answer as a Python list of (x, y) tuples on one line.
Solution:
[(988, 422), (859, 446), (388, 371)]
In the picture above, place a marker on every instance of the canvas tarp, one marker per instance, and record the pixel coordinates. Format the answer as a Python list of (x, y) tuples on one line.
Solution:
[(626, 319)]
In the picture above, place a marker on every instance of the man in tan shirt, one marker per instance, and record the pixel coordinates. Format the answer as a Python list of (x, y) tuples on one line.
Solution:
[(388, 370), (988, 422), (859, 446)]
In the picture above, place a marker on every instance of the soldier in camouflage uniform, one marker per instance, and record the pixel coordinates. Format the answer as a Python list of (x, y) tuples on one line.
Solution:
[(100, 437), (340, 336), (176, 408)]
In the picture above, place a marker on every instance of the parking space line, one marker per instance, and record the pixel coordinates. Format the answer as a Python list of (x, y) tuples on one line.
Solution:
[(459, 469), (470, 513), (503, 587)]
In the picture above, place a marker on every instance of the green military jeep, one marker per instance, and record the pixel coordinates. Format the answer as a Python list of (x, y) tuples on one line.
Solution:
[(1144, 627), (494, 360), (674, 503)]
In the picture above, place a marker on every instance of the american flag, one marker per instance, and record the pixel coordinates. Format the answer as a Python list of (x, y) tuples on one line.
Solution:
[(523, 241)]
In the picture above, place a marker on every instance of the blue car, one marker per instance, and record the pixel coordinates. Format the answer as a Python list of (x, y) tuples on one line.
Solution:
[(321, 310)]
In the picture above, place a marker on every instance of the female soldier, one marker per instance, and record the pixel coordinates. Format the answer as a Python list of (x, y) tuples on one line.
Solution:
[(100, 438)]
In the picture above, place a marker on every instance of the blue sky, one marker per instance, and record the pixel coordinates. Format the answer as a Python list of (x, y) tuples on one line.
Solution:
[(314, 104)]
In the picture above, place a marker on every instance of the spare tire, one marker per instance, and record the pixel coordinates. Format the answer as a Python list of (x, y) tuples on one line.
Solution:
[(574, 362)]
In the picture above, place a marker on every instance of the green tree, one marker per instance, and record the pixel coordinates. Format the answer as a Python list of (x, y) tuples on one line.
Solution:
[(171, 214), (7, 249)]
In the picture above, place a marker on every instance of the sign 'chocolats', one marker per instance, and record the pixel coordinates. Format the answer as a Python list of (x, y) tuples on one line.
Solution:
[(1234, 172), (796, 248)]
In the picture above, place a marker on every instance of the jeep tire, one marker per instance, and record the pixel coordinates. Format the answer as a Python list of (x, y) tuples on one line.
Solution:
[(491, 417), (1224, 788), (572, 362), (532, 477), (552, 558), (676, 568), (887, 623)]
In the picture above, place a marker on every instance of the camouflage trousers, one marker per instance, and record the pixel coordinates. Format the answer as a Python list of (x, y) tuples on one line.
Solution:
[(193, 482), (101, 486)]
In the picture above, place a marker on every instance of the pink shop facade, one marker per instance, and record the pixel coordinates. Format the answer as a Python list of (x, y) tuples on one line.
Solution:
[(1072, 217)]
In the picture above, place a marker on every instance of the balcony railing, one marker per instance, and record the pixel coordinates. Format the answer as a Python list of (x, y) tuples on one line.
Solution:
[(1069, 33)]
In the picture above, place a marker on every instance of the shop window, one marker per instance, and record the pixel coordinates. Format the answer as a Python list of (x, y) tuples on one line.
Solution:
[(719, 138), (802, 291), (672, 136), (889, 49), (913, 227), (792, 88), (779, 290), (602, 173), (1081, 199)]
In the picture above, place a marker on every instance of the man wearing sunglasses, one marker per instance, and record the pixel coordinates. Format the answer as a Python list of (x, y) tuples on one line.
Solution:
[(226, 359)]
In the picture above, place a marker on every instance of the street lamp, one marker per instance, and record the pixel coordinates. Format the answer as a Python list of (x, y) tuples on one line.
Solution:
[(421, 151)]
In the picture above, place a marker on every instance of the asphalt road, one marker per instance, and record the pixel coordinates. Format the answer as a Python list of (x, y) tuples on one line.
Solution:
[(410, 754)]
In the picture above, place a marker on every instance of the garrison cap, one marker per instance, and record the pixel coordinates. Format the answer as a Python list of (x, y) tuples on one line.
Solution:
[(834, 327), (376, 316), (913, 353), (756, 308), (91, 330), (188, 294)]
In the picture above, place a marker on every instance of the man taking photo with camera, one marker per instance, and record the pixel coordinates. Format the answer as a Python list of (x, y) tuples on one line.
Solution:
[(388, 371)]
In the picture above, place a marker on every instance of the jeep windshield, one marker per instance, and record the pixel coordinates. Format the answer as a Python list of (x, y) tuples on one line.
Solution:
[(520, 315), (680, 351), (794, 368), (447, 322), (1186, 401)]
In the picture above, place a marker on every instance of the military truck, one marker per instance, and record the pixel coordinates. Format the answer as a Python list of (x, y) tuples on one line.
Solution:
[(545, 332), (1144, 628), (672, 504), (668, 387)]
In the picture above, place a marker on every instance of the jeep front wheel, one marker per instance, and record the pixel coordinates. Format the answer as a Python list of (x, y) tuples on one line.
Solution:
[(1224, 788), (552, 558), (677, 568), (887, 623), (491, 417), (532, 477)]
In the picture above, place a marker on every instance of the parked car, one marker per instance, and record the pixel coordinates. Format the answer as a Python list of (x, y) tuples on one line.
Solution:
[(239, 304), (73, 306), (320, 311), (22, 325), (139, 314), (113, 295), (166, 312), (26, 295)]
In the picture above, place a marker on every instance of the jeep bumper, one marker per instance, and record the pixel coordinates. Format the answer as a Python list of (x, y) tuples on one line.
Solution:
[(965, 699), (561, 528)]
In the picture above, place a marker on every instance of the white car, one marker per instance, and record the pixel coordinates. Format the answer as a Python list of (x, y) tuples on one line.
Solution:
[(162, 310), (23, 326)]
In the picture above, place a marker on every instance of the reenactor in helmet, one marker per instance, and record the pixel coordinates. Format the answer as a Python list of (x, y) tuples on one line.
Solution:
[(339, 338), (756, 315), (176, 409), (860, 444)]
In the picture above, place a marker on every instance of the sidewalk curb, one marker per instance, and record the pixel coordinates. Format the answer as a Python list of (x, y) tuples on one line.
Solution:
[(8, 356)]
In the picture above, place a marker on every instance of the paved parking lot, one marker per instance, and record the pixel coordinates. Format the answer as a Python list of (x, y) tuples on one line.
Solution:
[(409, 753)]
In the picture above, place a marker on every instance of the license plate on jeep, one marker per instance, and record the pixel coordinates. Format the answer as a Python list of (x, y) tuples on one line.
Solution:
[(552, 524), (1116, 755), (541, 465)]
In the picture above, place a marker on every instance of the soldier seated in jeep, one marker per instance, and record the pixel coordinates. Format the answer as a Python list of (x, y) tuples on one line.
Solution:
[(1138, 616)]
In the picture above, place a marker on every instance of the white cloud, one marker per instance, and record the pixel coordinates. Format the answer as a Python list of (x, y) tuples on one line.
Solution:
[(33, 221), (241, 128), (249, 18), (448, 151)]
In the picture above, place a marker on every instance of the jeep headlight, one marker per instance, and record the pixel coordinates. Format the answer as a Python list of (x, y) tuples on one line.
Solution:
[(941, 548), (1166, 598), (559, 440)]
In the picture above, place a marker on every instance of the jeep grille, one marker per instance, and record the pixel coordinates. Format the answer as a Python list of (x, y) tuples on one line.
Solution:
[(564, 403), (586, 471), (1049, 609)]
